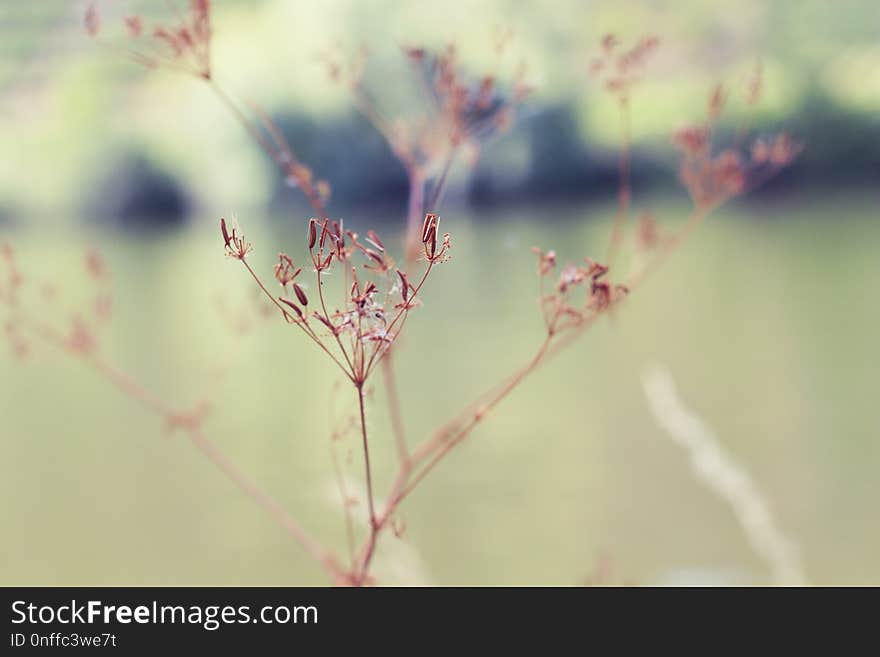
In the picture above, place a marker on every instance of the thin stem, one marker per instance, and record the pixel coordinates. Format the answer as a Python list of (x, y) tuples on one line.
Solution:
[(624, 193), (414, 215), (198, 438), (131, 388), (239, 116), (281, 153), (368, 552), (443, 441), (440, 184), (380, 353), (432, 451), (366, 447), (371, 540), (671, 244), (302, 325), (263, 500), (327, 317), (371, 112)]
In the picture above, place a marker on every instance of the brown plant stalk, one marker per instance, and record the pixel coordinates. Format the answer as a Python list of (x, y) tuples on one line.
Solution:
[(376, 298), (711, 181), (189, 422)]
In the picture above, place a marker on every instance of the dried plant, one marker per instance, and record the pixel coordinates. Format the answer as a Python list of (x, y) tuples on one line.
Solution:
[(184, 46), (358, 325), (358, 334), (458, 112), (619, 71)]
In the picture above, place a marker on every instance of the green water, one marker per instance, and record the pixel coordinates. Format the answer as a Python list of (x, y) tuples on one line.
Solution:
[(768, 322)]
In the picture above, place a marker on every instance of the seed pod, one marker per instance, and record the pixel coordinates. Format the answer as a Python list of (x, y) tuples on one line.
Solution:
[(223, 229), (313, 233), (301, 294), (375, 257), (404, 285), (373, 239), (428, 227), (292, 305)]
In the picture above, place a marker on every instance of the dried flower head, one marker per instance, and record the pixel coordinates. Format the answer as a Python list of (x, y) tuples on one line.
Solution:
[(560, 309), (234, 243), (463, 110), (285, 271), (376, 296), (712, 178), (430, 240), (619, 70), (546, 261), (183, 45)]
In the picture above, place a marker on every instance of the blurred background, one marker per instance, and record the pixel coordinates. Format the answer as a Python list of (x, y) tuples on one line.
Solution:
[(767, 319)]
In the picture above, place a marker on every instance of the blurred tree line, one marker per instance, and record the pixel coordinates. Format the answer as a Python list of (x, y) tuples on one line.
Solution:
[(552, 160)]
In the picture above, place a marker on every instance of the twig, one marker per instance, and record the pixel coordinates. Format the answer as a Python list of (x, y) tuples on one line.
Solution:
[(371, 541), (130, 387)]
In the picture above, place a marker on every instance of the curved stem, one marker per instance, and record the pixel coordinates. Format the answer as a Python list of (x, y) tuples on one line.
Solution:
[(133, 389), (207, 447), (414, 214), (440, 185), (432, 451), (366, 446), (327, 317), (403, 312), (280, 153), (443, 440)]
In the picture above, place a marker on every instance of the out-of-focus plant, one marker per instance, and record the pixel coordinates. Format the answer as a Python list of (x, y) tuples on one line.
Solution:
[(719, 472), (452, 114), (374, 297)]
